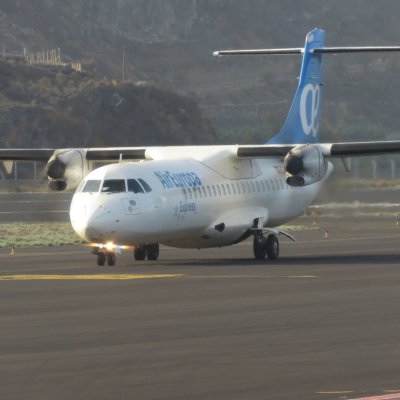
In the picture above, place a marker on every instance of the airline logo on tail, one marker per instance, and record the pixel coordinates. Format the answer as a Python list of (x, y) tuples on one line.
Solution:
[(309, 107)]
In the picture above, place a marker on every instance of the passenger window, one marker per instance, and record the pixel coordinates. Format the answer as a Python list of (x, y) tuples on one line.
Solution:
[(233, 188), (228, 188), (242, 186), (134, 186), (214, 191), (113, 186), (267, 185), (91, 186), (189, 193), (145, 185), (238, 188), (258, 186), (209, 191), (199, 192), (248, 187), (204, 191), (223, 189), (253, 188), (262, 186), (219, 190)]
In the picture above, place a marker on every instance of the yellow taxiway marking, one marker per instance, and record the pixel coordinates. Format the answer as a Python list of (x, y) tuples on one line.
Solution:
[(254, 276), (105, 277)]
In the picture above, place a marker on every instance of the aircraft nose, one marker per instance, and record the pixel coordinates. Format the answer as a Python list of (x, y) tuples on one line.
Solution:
[(90, 221), (96, 224)]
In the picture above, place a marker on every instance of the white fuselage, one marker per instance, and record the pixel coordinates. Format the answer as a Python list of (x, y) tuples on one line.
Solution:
[(210, 200)]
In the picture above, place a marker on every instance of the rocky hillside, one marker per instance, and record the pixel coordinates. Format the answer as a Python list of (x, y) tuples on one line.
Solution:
[(55, 106)]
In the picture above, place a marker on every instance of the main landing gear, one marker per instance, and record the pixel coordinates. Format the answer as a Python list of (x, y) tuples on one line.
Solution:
[(152, 252), (265, 246)]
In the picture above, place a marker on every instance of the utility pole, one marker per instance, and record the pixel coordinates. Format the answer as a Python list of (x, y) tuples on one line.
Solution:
[(123, 65)]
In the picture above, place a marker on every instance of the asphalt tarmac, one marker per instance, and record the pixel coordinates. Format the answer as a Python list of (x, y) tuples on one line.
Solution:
[(322, 322)]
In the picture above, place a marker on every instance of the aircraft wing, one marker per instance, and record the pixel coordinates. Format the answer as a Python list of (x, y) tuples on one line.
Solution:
[(26, 154), (345, 149), (92, 154), (348, 149)]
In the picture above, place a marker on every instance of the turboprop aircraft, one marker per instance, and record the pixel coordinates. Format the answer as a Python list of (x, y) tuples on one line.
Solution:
[(205, 196)]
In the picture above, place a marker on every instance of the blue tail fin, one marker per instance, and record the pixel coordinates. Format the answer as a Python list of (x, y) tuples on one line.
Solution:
[(302, 122)]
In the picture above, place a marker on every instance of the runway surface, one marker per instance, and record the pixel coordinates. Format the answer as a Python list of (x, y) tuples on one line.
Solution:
[(322, 322)]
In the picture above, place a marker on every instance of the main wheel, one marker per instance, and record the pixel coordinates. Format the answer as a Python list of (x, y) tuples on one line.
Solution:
[(259, 247), (139, 253), (111, 259), (272, 247), (101, 259), (152, 250)]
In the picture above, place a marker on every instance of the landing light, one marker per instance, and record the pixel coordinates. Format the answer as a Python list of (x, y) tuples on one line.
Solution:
[(109, 247)]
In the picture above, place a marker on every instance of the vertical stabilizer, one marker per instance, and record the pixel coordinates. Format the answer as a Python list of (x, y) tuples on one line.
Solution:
[(302, 122)]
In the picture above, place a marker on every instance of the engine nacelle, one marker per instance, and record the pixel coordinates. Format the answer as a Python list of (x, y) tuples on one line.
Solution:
[(66, 169), (305, 165)]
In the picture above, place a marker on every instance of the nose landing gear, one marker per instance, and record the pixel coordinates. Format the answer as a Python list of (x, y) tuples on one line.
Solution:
[(103, 257)]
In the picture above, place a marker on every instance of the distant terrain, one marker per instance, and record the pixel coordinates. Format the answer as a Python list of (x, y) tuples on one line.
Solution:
[(169, 43)]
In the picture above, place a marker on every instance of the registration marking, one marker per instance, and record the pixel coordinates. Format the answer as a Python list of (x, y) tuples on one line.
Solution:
[(102, 277)]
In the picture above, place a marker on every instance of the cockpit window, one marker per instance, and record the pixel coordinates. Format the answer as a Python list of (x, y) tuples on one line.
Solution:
[(145, 185), (91, 186), (113, 186), (134, 186)]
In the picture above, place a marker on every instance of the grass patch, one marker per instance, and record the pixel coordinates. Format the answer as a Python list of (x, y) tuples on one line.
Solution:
[(294, 228), (37, 234)]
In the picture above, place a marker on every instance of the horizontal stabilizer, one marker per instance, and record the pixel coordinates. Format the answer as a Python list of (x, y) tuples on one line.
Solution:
[(318, 50), (358, 49), (257, 51)]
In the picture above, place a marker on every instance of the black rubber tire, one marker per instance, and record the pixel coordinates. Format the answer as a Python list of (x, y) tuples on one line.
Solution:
[(139, 253), (259, 247), (153, 251), (111, 259), (272, 247), (101, 259)]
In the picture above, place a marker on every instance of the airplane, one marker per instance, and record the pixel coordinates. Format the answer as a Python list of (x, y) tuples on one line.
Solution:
[(205, 196)]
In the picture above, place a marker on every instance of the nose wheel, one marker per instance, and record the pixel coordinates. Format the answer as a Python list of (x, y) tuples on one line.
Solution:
[(102, 258)]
